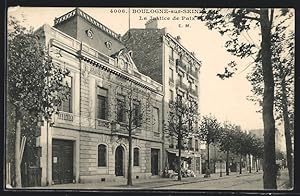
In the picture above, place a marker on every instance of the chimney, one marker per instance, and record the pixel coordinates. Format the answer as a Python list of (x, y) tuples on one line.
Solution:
[(151, 24)]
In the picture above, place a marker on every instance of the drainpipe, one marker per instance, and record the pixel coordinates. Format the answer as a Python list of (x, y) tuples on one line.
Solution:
[(163, 106)]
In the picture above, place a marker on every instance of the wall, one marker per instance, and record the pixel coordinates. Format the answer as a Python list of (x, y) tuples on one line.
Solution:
[(76, 27), (146, 45), (99, 38)]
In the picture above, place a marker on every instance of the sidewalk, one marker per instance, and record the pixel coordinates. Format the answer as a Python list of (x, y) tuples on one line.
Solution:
[(147, 183), (283, 180)]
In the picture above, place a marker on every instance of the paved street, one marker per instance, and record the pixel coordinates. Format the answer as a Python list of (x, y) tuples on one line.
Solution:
[(234, 181)]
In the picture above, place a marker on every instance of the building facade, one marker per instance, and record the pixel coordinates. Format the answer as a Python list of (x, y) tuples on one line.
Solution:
[(168, 62), (87, 140)]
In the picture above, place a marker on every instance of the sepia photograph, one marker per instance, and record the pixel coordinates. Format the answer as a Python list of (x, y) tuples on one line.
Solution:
[(133, 98)]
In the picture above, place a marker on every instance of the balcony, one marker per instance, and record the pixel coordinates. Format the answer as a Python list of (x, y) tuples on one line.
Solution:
[(103, 123), (193, 73), (180, 65), (193, 92), (182, 86), (65, 116), (119, 128)]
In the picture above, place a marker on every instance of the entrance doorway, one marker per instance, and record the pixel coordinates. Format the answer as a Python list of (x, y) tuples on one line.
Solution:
[(154, 161), (119, 161), (62, 161)]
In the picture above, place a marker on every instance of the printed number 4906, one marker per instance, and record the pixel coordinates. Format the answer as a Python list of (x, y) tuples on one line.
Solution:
[(116, 11)]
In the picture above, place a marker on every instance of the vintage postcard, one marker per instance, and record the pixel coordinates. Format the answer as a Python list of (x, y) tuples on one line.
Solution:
[(150, 98)]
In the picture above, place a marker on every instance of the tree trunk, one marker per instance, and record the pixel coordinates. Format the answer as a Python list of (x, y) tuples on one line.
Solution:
[(129, 172), (269, 176), (287, 134), (179, 156), (241, 164), (227, 163), (250, 165), (208, 164), (17, 150)]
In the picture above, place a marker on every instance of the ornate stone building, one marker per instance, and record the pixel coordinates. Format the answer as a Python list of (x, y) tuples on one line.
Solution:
[(86, 141), (165, 59)]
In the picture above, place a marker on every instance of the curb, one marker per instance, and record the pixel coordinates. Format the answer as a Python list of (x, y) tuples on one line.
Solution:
[(196, 181)]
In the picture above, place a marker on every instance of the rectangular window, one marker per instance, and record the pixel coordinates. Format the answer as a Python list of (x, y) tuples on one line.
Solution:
[(101, 155), (171, 95), (171, 75), (136, 157), (66, 105), (179, 98), (190, 144), (180, 79), (155, 119), (196, 145), (190, 85), (171, 53), (102, 106), (171, 142), (121, 108), (136, 113)]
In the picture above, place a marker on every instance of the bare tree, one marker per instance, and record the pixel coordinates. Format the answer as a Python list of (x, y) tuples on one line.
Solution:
[(131, 114), (182, 123)]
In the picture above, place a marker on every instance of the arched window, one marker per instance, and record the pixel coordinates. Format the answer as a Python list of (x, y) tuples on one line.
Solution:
[(136, 158), (101, 155)]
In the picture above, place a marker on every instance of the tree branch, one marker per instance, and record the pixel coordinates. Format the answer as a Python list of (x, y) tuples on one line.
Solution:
[(256, 11), (271, 18), (250, 18)]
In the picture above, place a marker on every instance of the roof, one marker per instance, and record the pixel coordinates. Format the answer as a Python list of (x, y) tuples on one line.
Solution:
[(85, 16)]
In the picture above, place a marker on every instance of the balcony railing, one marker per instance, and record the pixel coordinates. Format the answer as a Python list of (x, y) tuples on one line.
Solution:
[(103, 123), (118, 128), (65, 116), (193, 92), (193, 73), (180, 64), (182, 85)]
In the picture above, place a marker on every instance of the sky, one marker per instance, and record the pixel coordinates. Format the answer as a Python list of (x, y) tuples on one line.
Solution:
[(225, 99)]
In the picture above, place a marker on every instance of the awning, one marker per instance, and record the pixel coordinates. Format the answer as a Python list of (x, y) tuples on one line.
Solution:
[(183, 154)]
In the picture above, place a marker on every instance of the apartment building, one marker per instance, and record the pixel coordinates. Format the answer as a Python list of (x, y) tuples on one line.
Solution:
[(164, 59)]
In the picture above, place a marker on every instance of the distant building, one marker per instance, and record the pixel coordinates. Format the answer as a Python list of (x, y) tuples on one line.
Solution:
[(279, 137), (259, 133), (83, 142), (164, 58)]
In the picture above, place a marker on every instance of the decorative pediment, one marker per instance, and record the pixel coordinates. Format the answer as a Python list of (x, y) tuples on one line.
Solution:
[(125, 62)]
